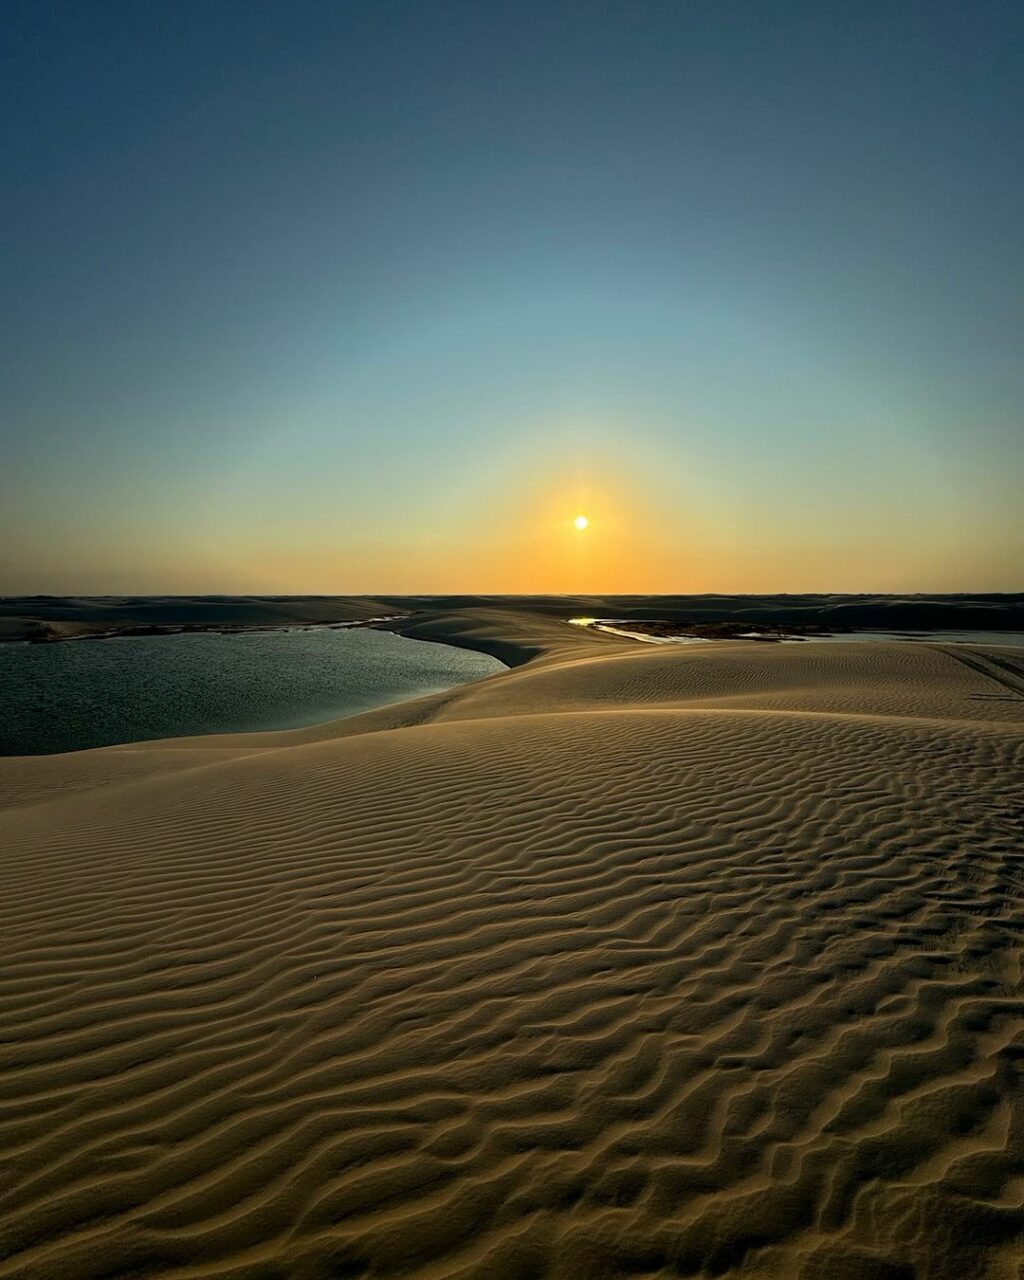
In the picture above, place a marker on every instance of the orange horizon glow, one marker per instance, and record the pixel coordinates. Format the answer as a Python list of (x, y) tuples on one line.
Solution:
[(649, 530)]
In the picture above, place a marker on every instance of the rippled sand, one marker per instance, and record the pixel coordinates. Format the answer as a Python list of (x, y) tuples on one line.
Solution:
[(635, 961)]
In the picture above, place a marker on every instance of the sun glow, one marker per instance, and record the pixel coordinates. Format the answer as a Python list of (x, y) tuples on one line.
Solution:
[(581, 522)]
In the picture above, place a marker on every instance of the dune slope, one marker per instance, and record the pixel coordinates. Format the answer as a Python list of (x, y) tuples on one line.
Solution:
[(631, 962)]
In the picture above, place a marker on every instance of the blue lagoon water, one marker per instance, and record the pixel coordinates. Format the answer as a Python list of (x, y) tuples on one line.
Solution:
[(93, 693)]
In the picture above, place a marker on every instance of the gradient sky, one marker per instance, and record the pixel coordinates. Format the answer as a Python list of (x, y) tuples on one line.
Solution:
[(357, 297)]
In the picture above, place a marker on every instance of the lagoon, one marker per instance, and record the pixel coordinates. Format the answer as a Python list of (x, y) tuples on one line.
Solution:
[(91, 693)]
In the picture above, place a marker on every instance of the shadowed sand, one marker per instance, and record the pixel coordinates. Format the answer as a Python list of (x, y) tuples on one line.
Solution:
[(633, 961)]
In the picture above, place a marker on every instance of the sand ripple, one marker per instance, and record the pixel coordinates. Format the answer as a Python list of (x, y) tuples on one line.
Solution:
[(630, 986)]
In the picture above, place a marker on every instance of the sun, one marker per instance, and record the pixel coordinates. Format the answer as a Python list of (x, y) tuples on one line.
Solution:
[(581, 522)]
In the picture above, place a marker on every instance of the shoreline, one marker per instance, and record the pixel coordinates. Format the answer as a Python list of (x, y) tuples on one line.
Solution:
[(127, 632), (655, 631)]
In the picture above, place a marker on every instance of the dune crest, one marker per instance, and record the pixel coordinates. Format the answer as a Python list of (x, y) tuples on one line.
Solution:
[(633, 961)]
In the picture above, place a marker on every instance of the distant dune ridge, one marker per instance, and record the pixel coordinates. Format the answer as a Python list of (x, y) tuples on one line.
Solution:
[(633, 961), (62, 617)]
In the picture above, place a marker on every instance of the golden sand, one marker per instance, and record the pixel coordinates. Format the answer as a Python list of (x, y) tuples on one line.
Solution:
[(634, 961)]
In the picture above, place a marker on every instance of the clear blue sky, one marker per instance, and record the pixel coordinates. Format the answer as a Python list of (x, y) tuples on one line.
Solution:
[(378, 296)]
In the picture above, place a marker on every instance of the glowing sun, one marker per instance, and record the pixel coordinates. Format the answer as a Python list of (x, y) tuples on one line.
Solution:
[(581, 522)]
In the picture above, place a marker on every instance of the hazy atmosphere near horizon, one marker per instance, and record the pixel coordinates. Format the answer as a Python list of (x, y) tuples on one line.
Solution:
[(378, 297)]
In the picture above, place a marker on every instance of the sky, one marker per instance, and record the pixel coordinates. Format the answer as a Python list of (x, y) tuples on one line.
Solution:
[(378, 297)]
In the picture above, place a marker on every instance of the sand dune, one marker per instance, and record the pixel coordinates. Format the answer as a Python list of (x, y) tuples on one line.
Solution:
[(632, 962)]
